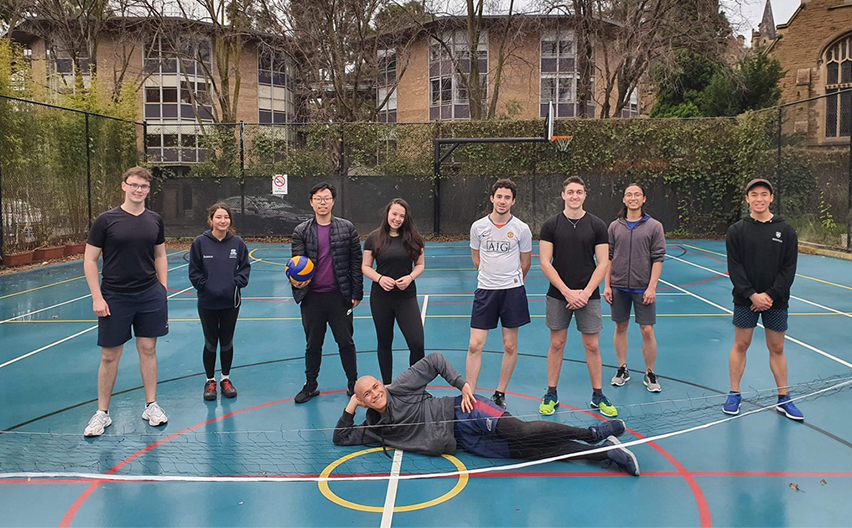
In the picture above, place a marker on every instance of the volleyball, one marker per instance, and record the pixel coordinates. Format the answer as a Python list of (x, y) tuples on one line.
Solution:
[(299, 269)]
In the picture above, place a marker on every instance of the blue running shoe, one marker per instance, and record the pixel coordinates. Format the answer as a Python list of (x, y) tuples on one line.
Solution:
[(622, 457), (732, 404), (607, 428), (789, 409)]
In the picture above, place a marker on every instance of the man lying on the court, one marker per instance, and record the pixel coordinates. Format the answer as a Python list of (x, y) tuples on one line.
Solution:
[(404, 416)]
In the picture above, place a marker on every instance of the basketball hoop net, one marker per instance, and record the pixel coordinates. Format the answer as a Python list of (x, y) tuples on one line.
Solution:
[(561, 142)]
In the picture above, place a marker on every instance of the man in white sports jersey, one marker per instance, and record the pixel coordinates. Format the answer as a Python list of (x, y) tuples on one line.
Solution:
[(501, 249)]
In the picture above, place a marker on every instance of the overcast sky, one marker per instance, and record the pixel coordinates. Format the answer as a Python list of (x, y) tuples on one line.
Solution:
[(745, 15)]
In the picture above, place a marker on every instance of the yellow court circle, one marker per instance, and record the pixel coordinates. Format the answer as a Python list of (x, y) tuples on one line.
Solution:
[(330, 495)]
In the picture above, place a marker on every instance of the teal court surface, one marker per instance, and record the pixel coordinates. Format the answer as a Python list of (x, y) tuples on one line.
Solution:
[(261, 460)]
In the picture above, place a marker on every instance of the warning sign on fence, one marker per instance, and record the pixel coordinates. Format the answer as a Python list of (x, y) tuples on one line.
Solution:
[(279, 185)]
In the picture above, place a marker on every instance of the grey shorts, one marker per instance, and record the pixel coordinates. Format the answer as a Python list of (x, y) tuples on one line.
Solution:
[(621, 303), (589, 320)]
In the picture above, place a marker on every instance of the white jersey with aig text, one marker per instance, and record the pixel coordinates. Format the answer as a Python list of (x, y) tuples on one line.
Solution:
[(500, 251)]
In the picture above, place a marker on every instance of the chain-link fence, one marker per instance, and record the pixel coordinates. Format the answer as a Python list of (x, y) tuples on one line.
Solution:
[(59, 169), (811, 159)]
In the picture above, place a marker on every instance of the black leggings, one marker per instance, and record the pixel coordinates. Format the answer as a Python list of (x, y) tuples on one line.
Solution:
[(218, 326), (386, 308), (541, 439)]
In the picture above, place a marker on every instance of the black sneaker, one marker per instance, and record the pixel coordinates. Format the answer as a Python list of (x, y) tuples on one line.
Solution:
[(228, 389), (307, 392), (607, 428), (210, 390), (350, 388), (499, 399)]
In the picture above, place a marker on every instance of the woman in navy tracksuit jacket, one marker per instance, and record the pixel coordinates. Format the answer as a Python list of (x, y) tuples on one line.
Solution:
[(219, 268)]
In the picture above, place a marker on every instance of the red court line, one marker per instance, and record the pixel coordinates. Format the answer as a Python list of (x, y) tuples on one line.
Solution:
[(498, 474), (704, 515)]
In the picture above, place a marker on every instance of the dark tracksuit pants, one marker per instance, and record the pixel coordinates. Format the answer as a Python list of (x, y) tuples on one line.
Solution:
[(386, 308), (319, 312)]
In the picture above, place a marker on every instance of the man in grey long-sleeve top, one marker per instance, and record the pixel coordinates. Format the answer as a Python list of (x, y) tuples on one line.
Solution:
[(403, 415)]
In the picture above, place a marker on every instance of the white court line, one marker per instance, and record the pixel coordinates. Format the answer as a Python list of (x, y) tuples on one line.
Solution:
[(786, 336), (64, 339), (393, 482), (43, 309), (827, 308), (423, 310), (67, 302)]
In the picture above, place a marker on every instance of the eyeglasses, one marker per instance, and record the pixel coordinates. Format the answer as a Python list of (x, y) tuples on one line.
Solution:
[(137, 186), (322, 199), (633, 195), (577, 192)]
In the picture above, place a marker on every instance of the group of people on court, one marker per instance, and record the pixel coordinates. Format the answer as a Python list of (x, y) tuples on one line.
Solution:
[(577, 253)]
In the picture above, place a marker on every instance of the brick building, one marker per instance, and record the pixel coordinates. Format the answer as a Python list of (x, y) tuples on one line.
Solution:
[(541, 64), (815, 49)]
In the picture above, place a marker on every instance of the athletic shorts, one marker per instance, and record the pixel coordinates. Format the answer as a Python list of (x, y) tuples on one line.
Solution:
[(774, 319), (146, 311), (621, 303), (508, 306), (589, 320)]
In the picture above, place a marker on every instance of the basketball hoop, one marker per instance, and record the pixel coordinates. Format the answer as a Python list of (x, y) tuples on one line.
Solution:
[(561, 142)]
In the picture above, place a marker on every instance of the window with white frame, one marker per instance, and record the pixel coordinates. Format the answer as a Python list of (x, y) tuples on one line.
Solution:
[(175, 143), (386, 86), (449, 73), (275, 87), (178, 87), (838, 107), (558, 73), (62, 77)]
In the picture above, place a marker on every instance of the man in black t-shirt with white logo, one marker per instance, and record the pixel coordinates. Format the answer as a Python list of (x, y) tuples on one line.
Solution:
[(132, 293)]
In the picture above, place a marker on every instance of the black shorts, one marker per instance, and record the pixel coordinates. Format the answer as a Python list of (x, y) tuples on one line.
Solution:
[(774, 319), (146, 311), (508, 306)]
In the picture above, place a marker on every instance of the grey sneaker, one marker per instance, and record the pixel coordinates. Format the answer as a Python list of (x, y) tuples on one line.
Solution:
[(651, 382), (97, 424), (622, 457), (155, 415), (621, 377)]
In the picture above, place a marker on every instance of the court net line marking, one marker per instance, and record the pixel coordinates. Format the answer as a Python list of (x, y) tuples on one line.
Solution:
[(64, 339), (797, 274), (343, 478), (726, 310)]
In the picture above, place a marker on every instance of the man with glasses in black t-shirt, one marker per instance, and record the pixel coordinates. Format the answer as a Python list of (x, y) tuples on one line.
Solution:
[(132, 293)]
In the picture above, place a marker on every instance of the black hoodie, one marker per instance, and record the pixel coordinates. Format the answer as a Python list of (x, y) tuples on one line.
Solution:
[(218, 269), (762, 259)]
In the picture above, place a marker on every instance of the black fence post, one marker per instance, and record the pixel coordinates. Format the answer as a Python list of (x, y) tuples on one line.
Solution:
[(2, 212), (849, 188), (778, 184), (88, 173), (242, 168), (145, 141), (436, 188)]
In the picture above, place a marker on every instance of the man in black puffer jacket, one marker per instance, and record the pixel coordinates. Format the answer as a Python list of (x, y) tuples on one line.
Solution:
[(335, 290)]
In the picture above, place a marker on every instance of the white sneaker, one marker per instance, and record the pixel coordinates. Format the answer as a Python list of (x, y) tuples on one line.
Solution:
[(97, 424), (155, 415)]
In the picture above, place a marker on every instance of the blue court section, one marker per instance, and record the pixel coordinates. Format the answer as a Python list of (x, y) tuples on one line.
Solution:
[(741, 472)]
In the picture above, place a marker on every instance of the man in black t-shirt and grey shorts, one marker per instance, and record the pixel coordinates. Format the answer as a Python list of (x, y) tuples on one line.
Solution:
[(132, 293), (574, 255)]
